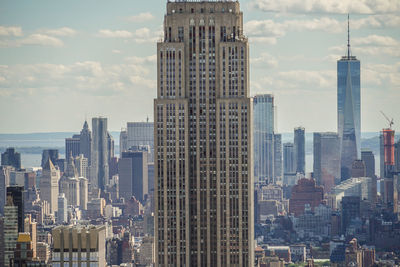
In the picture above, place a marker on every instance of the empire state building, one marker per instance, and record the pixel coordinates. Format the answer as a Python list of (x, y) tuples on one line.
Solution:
[(202, 133)]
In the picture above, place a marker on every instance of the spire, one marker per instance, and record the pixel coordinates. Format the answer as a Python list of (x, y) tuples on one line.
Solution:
[(348, 36)]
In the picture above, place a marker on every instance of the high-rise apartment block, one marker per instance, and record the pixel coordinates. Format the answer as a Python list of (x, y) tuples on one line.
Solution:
[(79, 246), (348, 110), (203, 156), (300, 149), (327, 160), (11, 158)]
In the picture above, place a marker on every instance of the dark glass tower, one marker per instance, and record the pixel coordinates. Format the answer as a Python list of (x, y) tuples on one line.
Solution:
[(348, 108), (300, 149), (17, 194)]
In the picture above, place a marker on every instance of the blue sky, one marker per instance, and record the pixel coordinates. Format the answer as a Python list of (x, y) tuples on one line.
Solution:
[(64, 61)]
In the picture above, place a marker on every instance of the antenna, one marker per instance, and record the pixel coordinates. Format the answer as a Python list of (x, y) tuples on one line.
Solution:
[(348, 36)]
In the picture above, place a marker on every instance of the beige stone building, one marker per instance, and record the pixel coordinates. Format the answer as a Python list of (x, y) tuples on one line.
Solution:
[(203, 164), (49, 185), (79, 246)]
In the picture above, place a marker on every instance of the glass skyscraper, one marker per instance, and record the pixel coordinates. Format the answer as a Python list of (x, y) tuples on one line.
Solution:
[(263, 106), (349, 115)]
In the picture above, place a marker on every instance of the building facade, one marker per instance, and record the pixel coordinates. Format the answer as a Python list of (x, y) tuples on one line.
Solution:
[(99, 154), (49, 185), (300, 149), (203, 138)]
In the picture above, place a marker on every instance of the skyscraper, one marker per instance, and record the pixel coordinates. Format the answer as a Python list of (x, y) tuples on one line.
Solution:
[(99, 157), (11, 158), (348, 108), (72, 146), (203, 167), (49, 185), (369, 159), (133, 174), (289, 161), (263, 137), (140, 134), (51, 154), (16, 193), (85, 142), (277, 157), (62, 216), (327, 160), (10, 230), (300, 149), (4, 183)]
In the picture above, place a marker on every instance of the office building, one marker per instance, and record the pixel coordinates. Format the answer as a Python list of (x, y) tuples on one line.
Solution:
[(11, 158), (369, 160), (327, 160), (288, 159), (350, 210), (49, 187), (82, 166), (123, 141), (4, 183), (69, 184), (203, 164), (133, 173), (85, 143), (358, 169), (83, 193), (72, 146), (16, 194), (10, 229), (300, 149), (278, 157), (79, 246), (51, 154), (62, 209), (100, 154), (263, 137), (348, 110), (141, 134), (306, 192)]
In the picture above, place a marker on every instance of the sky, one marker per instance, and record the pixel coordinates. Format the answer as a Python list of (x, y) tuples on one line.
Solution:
[(62, 62)]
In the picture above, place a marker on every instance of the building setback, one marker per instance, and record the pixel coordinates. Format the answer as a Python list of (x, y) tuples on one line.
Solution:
[(203, 157)]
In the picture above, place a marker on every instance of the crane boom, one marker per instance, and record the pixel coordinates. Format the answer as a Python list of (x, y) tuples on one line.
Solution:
[(391, 122)]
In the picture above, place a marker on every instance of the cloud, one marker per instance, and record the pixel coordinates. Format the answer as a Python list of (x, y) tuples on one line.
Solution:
[(10, 31), (145, 35), (372, 45), (116, 51), (142, 60), (142, 17), (328, 6), (64, 31), (40, 39), (265, 60), (114, 34), (80, 78)]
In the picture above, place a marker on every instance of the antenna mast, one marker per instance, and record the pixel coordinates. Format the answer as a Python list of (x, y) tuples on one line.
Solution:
[(348, 36)]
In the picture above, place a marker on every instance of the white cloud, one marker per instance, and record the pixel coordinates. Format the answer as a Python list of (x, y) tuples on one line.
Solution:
[(64, 31), (116, 51), (265, 60), (142, 60), (40, 39), (114, 34), (142, 17), (328, 6), (145, 35), (376, 40), (10, 31)]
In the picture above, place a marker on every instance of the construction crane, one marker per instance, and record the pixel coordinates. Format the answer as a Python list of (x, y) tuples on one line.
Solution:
[(391, 122)]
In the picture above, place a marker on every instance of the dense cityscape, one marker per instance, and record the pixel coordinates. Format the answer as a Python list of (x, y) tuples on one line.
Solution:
[(211, 181)]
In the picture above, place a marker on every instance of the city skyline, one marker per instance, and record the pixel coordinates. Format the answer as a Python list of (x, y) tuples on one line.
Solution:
[(106, 55)]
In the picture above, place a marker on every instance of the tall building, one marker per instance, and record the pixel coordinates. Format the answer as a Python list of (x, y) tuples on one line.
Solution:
[(69, 184), (62, 209), (51, 154), (327, 160), (85, 142), (79, 246), (289, 161), (369, 160), (358, 169), (49, 185), (348, 108), (16, 194), (277, 157), (11, 158), (99, 158), (82, 166), (140, 134), (72, 146), (300, 149), (350, 210), (203, 162), (10, 230), (263, 137), (31, 228), (133, 174), (4, 183), (123, 141)]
